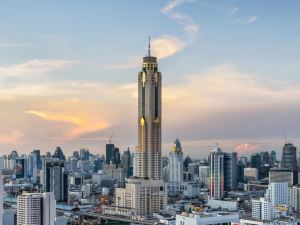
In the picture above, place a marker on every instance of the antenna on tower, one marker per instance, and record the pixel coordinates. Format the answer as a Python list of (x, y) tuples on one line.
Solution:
[(111, 136), (149, 53)]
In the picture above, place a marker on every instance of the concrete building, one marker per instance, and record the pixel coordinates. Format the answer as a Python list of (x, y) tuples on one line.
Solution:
[(262, 209), (207, 218), (230, 205), (147, 191), (36, 209), (175, 168), (277, 193), (283, 175), (294, 198)]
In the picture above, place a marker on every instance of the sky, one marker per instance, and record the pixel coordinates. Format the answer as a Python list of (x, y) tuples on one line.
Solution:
[(68, 73)]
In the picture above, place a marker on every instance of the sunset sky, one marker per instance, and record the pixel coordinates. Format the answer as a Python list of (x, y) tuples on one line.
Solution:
[(68, 73)]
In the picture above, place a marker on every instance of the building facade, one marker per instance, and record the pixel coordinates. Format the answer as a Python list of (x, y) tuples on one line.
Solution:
[(175, 168), (36, 209), (147, 190)]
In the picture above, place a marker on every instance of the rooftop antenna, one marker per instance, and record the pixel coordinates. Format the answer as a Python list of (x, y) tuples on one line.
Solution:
[(286, 141), (149, 53)]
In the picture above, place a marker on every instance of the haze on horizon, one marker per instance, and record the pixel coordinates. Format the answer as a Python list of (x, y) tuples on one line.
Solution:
[(68, 73)]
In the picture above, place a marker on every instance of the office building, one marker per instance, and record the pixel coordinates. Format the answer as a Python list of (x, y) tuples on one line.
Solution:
[(216, 173), (289, 156), (55, 178), (230, 171), (175, 168), (262, 209), (283, 175), (36, 209), (250, 174), (294, 198), (58, 154), (277, 193)]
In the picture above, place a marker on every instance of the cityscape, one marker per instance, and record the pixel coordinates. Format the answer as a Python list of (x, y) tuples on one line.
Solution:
[(121, 168)]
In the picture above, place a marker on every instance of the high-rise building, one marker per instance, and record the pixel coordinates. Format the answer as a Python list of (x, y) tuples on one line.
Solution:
[(36, 209), (39, 160), (216, 171), (175, 168), (294, 198), (109, 152), (58, 154), (32, 166), (277, 193), (230, 171), (262, 209), (255, 161), (273, 158), (240, 172), (84, 154), (55, 178), (289, 156), (126, 162), (20, 167), (283, 175), (1, 199), (146, 193)]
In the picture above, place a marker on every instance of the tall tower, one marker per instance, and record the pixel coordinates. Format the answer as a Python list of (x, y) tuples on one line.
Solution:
[(149, 120), (146, 192), (216, 173)]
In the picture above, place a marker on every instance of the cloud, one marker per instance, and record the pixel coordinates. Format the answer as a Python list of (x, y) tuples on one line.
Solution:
[(249, 19), (166, 46), (35, 67), (184, 20), (246, 148), (14, 45), (11, 138), (171, 5), (233, 10), (223, 104)]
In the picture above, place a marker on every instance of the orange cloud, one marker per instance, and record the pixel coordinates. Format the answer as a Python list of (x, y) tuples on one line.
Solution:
[(11, 138)]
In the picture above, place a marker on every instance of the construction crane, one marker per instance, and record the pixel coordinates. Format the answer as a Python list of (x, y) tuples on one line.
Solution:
[(111, 136)]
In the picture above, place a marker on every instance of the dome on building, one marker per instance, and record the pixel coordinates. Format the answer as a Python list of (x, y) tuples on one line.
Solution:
[(177, 146)]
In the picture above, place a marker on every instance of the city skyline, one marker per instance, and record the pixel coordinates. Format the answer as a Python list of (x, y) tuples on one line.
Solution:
[(70, 81)]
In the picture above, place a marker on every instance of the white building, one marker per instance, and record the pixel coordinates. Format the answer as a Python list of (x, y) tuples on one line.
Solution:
[(256, 222), (294, 198), (36, 208), (262, 209), (277, 193), (175, 168), (190, 189), (207, 218)]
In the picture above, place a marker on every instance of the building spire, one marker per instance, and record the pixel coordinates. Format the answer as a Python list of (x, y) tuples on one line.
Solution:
[(149, 53)]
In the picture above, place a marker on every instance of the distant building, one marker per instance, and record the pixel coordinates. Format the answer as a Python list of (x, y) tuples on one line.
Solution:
[(126, 162), (230, 171), (20, 167), (36, 209), (216, 173), (240, 172), (250, 174), (289, 156), (32, 167), (58, 154), (175, 168), (55, 178), (283, 175)]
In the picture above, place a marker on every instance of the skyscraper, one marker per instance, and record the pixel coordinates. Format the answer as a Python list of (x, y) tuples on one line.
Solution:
[(175, 168), (216, 172), (36, 208), (55, 178), (230, 171), (289, 156), (146, 192)]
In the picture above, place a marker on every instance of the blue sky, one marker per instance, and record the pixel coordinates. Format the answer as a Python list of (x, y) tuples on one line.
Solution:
[(68, 72)]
